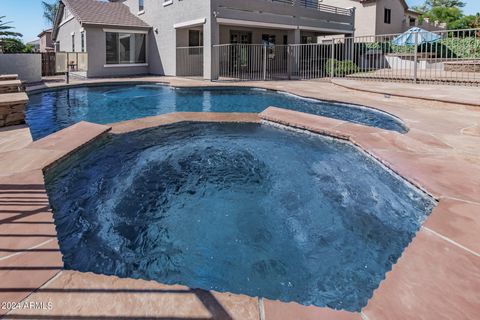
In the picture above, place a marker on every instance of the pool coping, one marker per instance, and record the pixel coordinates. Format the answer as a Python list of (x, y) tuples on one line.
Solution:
[(33, 90), (437, 232)]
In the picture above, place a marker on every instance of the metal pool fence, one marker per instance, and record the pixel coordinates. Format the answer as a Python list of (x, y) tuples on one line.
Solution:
[(190, 61), (450, 57)]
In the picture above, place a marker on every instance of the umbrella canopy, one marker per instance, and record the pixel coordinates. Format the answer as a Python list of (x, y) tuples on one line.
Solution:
[(408, 37)]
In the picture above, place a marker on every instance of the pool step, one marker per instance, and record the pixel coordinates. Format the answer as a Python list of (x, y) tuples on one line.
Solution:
[(13, 100)]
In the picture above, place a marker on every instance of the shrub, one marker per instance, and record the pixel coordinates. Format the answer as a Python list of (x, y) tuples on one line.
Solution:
[(340, 68)]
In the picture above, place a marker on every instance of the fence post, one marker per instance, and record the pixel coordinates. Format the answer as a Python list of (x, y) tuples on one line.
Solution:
[(289, 62), (264, 62), (332, 62), (415, 67)]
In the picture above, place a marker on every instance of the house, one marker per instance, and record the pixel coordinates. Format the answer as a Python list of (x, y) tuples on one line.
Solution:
[(46, 42), (35, 45), (379, 17), (115, 38), (131, 37)]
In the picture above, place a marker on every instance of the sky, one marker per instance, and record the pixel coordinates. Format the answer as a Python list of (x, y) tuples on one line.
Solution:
[(28, 20)]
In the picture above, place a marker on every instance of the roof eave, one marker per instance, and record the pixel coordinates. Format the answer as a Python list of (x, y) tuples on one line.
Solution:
[(100, 24)]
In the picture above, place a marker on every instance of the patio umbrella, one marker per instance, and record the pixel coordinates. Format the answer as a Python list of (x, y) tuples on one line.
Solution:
[(408, 37)]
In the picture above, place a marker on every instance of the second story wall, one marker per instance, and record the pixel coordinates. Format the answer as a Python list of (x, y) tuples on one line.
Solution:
[(65, 38), (365, 15), (163, 16), (397, 24)]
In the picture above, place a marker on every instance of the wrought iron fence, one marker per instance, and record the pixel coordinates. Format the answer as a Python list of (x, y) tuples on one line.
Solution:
[(264, 62), (190, 61), (451, 56), (439, 57)]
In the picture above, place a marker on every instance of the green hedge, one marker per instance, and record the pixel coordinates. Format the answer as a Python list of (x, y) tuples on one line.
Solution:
[(468, 48), (341, 68)]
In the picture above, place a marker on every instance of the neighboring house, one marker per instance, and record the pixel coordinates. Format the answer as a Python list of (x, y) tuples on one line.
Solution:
[(35, 45), (46, 42), (126, 37), (379, 17)]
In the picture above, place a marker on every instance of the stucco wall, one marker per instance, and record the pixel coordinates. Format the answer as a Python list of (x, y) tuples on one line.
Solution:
[(65, 36), (162, 49), (365, 15), (27, 66), (369, 17), (46, 42), (97, 58), (398, 16)]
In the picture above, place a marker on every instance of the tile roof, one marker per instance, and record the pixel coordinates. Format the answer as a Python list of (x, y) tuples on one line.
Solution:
[(103, 13)]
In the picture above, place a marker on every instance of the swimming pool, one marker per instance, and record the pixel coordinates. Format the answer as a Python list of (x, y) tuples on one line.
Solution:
[(51, 111), (242, 208)]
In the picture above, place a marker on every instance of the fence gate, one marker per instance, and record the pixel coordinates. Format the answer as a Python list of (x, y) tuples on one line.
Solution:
[(48, 64)]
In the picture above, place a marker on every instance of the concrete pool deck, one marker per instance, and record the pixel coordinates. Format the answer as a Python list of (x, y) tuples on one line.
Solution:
[(438, 276)]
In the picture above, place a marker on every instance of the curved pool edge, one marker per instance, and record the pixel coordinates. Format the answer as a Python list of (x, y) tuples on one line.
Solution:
[(213, 85), (30, 175), (338, 130)]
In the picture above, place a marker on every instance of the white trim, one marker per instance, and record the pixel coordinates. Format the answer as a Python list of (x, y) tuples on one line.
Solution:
[(191, 23), (82, 29), (65, 21), (126, 65), (72, 33), (125, 31), (248, 23), (167, 3)]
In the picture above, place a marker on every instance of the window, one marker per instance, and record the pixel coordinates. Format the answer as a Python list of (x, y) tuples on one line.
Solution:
[(73, 43), (195, 38), (268, 39), (388, 16), (413, 22), (141, 5), (125, 48), (307, 40), (195, 41), (82, 40)]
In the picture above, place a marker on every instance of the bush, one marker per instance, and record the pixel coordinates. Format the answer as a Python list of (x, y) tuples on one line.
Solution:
[(13, 45), (457, 46), (340, 68)]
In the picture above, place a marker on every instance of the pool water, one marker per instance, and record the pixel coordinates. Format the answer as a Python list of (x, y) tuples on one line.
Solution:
[(51, 111), (242, 208)]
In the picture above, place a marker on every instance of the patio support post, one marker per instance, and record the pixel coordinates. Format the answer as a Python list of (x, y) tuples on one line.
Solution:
[(294, 51), (211, 63), (415, 65)]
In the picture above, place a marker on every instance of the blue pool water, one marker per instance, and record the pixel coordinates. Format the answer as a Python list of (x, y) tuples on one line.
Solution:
[(51, 111), (243, 208)]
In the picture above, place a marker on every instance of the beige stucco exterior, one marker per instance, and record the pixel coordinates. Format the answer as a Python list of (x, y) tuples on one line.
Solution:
[(369, 17)]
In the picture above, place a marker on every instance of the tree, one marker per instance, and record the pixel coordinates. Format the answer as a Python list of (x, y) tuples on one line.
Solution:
[(445, 3), (50, 11), (5, 29), (430, 4), (6, 32), (14, 45), (452, 16)]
